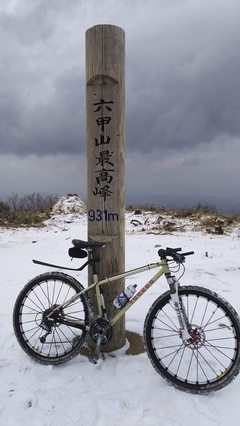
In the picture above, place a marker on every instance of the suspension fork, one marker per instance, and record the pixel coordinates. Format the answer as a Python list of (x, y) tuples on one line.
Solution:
[(180, 311)]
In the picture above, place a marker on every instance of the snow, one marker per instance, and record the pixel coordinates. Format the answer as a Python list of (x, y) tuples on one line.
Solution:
[(123, 389)]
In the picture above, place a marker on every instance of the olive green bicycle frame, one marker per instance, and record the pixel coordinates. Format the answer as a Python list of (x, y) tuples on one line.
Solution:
[(98, 284)]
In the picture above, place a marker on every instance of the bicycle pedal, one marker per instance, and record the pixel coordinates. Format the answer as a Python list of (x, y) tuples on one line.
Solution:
[(93, 360)]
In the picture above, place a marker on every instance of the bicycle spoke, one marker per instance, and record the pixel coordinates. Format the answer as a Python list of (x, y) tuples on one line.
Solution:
[(204, 358), (204, 313), (194, 310), (45, 331), (180, 361)]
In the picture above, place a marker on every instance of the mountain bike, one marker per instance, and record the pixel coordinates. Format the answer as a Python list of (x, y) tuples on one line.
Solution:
[(190, 333)]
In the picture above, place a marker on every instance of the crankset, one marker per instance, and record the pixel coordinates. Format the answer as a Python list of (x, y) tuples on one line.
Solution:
[(101, 326), (101, 333)]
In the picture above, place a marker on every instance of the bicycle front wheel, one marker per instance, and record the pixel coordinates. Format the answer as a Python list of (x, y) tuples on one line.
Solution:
[(210, 359), (57, 340)]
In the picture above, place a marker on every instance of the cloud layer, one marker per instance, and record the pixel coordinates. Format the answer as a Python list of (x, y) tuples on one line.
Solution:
[(182, 80)]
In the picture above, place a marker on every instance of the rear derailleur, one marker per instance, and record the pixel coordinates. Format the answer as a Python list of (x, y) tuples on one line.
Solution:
[(48, 322)]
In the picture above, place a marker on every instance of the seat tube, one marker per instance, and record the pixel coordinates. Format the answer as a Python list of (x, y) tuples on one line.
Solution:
[(93, 265)]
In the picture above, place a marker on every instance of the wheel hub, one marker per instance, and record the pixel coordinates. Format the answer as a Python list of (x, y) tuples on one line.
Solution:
[(197, 338), (49, 318)]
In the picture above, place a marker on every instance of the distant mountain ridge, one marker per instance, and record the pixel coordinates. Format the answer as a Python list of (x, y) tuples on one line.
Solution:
[(224, 204)]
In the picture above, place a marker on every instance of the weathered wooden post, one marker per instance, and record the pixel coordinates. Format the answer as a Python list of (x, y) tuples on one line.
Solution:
[(105, 105)]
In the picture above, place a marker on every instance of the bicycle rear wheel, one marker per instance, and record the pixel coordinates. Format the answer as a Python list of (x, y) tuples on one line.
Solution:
[(208, 361), (56, 341)]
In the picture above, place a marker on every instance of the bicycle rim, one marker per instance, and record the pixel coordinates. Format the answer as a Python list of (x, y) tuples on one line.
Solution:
[(210, 359), (35, 300)]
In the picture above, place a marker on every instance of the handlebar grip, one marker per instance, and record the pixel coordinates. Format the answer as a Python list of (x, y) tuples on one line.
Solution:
[(174, 249), (188, 253), (173, 252)]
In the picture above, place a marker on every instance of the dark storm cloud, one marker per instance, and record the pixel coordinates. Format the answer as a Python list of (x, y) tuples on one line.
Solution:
[(182, 73), (42, 101), (59, 126), (187, 85)]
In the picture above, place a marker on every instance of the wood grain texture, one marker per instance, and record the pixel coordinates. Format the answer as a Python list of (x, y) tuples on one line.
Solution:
[(105, 140)]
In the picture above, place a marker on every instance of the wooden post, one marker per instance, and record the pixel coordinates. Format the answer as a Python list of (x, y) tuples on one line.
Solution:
[(105, 102)]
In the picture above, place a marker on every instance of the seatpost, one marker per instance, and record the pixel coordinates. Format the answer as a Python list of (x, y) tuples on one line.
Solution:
[(93, 264)]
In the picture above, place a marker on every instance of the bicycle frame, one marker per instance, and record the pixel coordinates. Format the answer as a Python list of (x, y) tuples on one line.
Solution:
[(163, 264), (98, 284)]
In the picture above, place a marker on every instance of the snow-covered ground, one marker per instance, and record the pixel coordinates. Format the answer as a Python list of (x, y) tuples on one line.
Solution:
[(122, 389)]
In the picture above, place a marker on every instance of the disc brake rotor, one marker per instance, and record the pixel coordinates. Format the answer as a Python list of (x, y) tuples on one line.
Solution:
[(197, 339)]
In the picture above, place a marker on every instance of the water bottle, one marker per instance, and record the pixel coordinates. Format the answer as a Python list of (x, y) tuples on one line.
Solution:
[(124, 297)]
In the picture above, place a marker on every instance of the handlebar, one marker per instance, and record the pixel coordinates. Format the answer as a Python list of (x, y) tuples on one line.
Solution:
[(174, 253)]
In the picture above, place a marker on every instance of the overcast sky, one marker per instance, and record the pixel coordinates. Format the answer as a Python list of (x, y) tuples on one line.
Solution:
[(182, 112)]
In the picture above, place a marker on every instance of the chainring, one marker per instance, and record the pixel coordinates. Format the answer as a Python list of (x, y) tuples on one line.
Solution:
[(100, 326)]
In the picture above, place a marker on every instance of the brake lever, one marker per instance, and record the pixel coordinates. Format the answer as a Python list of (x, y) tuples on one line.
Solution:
[(179, 258)]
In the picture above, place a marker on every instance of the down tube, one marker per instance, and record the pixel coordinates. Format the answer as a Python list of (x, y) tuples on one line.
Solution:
[(137, 296)]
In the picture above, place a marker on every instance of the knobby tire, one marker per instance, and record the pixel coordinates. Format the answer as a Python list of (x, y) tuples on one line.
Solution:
[(34, 301), (208, 361)]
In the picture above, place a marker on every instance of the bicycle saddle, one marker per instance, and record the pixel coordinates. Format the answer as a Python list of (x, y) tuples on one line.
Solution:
[(87, 244)]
